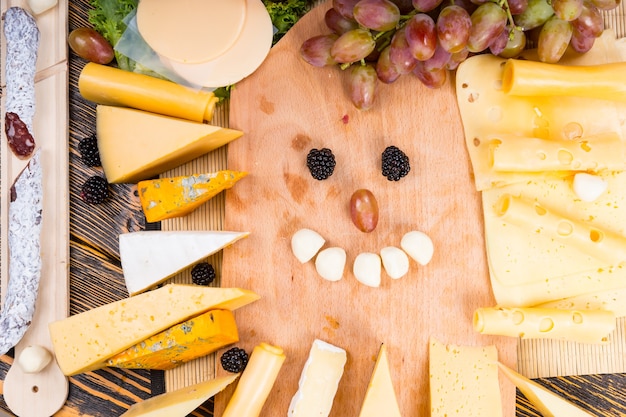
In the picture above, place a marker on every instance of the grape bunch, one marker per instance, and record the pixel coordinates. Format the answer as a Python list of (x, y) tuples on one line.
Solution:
[(378, 41)]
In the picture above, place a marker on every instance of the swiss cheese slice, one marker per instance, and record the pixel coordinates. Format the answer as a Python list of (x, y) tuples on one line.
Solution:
[(180, 402), (85, 341), (135, 145), (464, 381), (150, 257), (380, 398), (610, 300)]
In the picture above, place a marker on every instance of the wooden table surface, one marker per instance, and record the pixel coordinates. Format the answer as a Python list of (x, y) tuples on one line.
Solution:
[(96, 279)]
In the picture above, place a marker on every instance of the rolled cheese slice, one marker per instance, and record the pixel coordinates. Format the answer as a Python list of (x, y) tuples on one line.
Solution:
[(592, 326), (511, 153), (603, 245)]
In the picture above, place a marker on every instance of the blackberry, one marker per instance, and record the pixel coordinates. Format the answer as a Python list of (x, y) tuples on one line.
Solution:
[(95, 190), (395, 163), (234, 360), (321, 163), (203, 273), (89, 153)]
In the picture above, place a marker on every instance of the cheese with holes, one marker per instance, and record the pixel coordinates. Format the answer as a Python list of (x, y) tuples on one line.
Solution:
[(549, 403), (319, 381), (181, 343), (181, 402), (464, 381), (380, 398), (136, 145), (610, 300), (165, 198), (85, 341), (592, 326), (151, 257)]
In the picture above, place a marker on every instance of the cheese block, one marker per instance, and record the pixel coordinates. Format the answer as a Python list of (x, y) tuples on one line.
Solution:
[(181, 343), (610, 300), (165, 198), (380, 398), (181, 402), (85, 341), (136, 145), (151, 257), (256, 381), (549, 403), (319, 381), (463, 381), (591, 326)]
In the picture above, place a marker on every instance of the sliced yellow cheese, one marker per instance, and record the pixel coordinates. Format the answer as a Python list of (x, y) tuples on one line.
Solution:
[(256, 381), (85, 341), (547, 402), (181, 402), (135, 145), (319, 381), (181, 343), (463, 381), (165, 198), (104, 84), (380, 398), (611, 300), (150, 257), (591, 326)]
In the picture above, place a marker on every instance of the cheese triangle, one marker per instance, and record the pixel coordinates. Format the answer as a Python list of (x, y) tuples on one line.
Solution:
[(136, 145), (150, 257), (380, 398), (180, 402)]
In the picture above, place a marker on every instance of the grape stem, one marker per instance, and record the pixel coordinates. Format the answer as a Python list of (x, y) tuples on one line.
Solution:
[(505, 5)]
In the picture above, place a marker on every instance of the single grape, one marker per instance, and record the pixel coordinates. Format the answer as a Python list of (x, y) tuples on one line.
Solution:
[(499, 43), (378, 15), (567, 9), (535, 15), (439, 60), (488, 21), (426, 5), (345, 7), (90, 45), (385, 70), (339, 24), (606, 4), (516, 43), (421, 35), (316, 50), (453, 28), (362, 85), (465, 4), (456, 58), (364, 210), (590, 22), (434, 78), (400, 53), (352, 46), (517, 6), (580, 42), (554, 38), (405, 6)]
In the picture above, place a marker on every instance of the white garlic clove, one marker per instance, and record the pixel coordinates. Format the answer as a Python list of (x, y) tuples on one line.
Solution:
[(305, 244), (395, 261), (330, 263), (589, 187), (418, 246), (34, 359), (367, 269)]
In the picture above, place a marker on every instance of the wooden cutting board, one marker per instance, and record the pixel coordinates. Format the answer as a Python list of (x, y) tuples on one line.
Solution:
[(288, 107)]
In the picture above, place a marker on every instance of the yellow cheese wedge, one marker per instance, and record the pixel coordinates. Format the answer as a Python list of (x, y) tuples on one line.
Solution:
[(380, 398), (85, 341), (104, 84), (256, 381), (150, 257), (181, 343), (590, 326), (547, 402), (463, 381), (165, 198), (181, 402), (319, 381), (135, 145)]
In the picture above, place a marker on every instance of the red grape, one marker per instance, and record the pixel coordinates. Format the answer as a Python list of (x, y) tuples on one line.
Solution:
[(426, 5), (453, 28), (590, 22), (488, 21), (316, 50), (352, 46), (421, 35), (554, 38), (338, 23), (434, 78), (535, 15), (378, 15), (345, 7), (567, 9), (400, 53), (386, 71)]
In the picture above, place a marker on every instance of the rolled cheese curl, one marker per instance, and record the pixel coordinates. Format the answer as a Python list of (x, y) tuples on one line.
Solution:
[(103, 84), (592, 326), (532, 78), (256, 382), (603, 245), (511, 153)]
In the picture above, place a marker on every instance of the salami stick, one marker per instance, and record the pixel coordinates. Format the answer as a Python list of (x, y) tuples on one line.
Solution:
[(25, 207)]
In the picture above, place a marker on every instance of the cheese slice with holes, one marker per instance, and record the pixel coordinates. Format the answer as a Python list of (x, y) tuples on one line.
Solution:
[(610, 300), (380, 398)]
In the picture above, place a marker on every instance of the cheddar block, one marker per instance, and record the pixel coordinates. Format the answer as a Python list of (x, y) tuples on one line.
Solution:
[(549, 403), (464, 381), (136, 145), (151, 257), (104, 84), (610, 300), (256, 381), (181, 343), (591, 326), (319, 381), (380, 398), (165, 198), (181, 402), (85, 341)]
